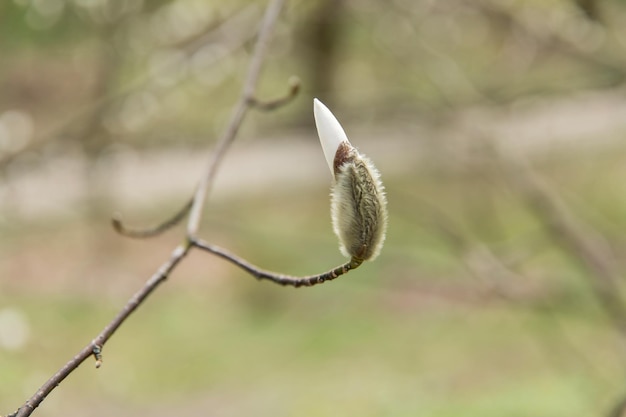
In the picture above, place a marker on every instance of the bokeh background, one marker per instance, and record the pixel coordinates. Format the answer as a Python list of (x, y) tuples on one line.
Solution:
[(498, 127)]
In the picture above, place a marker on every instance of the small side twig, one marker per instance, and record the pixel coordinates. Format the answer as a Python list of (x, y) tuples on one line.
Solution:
[(236, 119), (246, 101), (154, 231), (269, 105), (277, 278)]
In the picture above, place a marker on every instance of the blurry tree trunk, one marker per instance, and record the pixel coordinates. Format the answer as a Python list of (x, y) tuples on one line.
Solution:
[(92, 134), (94, 138), (321, 37), (590, 8)]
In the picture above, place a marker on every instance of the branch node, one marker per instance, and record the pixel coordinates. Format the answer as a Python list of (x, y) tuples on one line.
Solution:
[(97, 354), (268, 105)]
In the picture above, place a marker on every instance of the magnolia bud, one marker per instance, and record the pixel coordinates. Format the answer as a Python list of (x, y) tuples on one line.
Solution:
[(358, 202)]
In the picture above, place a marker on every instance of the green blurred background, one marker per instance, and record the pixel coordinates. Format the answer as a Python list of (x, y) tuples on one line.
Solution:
[(493, 296)]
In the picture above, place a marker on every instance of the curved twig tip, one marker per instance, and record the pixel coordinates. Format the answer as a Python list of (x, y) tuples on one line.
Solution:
[(120, 228), (293, 83), (116, 222)]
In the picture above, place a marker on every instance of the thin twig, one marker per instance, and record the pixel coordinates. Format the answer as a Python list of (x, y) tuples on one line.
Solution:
[(269, 105), (277, 278), (246, 101), (239, 112), (95, 346), (153, 231)]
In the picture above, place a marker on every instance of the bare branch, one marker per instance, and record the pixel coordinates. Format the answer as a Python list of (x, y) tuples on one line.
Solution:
[(281, 279), (95, 346), (294, 88), (237, 117), (269, 105), (246, 100), (154, 231)]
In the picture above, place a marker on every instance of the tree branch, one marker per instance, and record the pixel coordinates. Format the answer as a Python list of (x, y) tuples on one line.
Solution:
[(123, 230), (277, 278), (269, 105), (246, 101), (95, 346), (237, 117)]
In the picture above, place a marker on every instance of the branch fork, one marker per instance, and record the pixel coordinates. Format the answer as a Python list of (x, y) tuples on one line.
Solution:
[(365, 226)]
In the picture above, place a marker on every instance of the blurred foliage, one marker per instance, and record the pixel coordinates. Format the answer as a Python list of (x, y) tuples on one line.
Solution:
[(152, 70)]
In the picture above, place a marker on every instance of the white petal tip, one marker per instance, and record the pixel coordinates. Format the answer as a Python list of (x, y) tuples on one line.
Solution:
[(329, 130)]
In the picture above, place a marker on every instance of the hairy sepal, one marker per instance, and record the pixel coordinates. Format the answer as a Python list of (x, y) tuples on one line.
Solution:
[(358, 207)]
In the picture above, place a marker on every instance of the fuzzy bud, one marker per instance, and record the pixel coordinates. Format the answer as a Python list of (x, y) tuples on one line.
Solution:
[(358, 202)]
